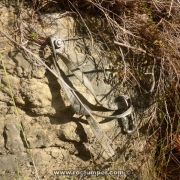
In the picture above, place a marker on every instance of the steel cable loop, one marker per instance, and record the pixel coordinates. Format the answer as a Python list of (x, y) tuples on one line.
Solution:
[(80, 108)]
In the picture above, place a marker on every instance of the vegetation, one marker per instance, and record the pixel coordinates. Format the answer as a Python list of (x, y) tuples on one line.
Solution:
[(147, 35)]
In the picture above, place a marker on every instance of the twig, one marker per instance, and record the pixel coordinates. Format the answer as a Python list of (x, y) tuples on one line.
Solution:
[(72, 39), (153, 78), (125, 67), (129, 46), (92, 41), (170, 8)]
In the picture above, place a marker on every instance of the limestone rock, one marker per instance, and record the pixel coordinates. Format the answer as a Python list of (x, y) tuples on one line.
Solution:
[(68, 131), (54, 23), (41, 157), (37, 136), (13, 139), (13, 81), (39, 98), (4, 98), (8, 162), (6, 16), (39, 72), (3, 107), (21, 61)]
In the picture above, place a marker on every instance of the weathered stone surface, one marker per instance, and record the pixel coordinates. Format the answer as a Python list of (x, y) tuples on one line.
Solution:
[(24, 66), (21, 61), (13, 140), (39, 133), (53, 24), (41, 158), (13, 81), (39, 72), (4, 98), (68, 131), (37, 136), (39, 98), (8, 162), (7, 16), (3, 107)]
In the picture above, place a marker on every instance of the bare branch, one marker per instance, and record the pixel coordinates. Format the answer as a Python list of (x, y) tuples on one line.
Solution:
[(129, 46)]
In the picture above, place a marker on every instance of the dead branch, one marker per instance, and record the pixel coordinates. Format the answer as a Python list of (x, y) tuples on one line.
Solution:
[(129, 46)]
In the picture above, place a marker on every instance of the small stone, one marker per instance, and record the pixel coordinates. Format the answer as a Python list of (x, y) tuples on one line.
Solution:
[(68, 131)]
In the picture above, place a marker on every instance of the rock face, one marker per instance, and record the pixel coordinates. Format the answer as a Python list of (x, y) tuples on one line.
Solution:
[(41, 133)]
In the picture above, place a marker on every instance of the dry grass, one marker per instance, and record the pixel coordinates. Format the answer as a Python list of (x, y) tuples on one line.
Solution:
[(147, 35)]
